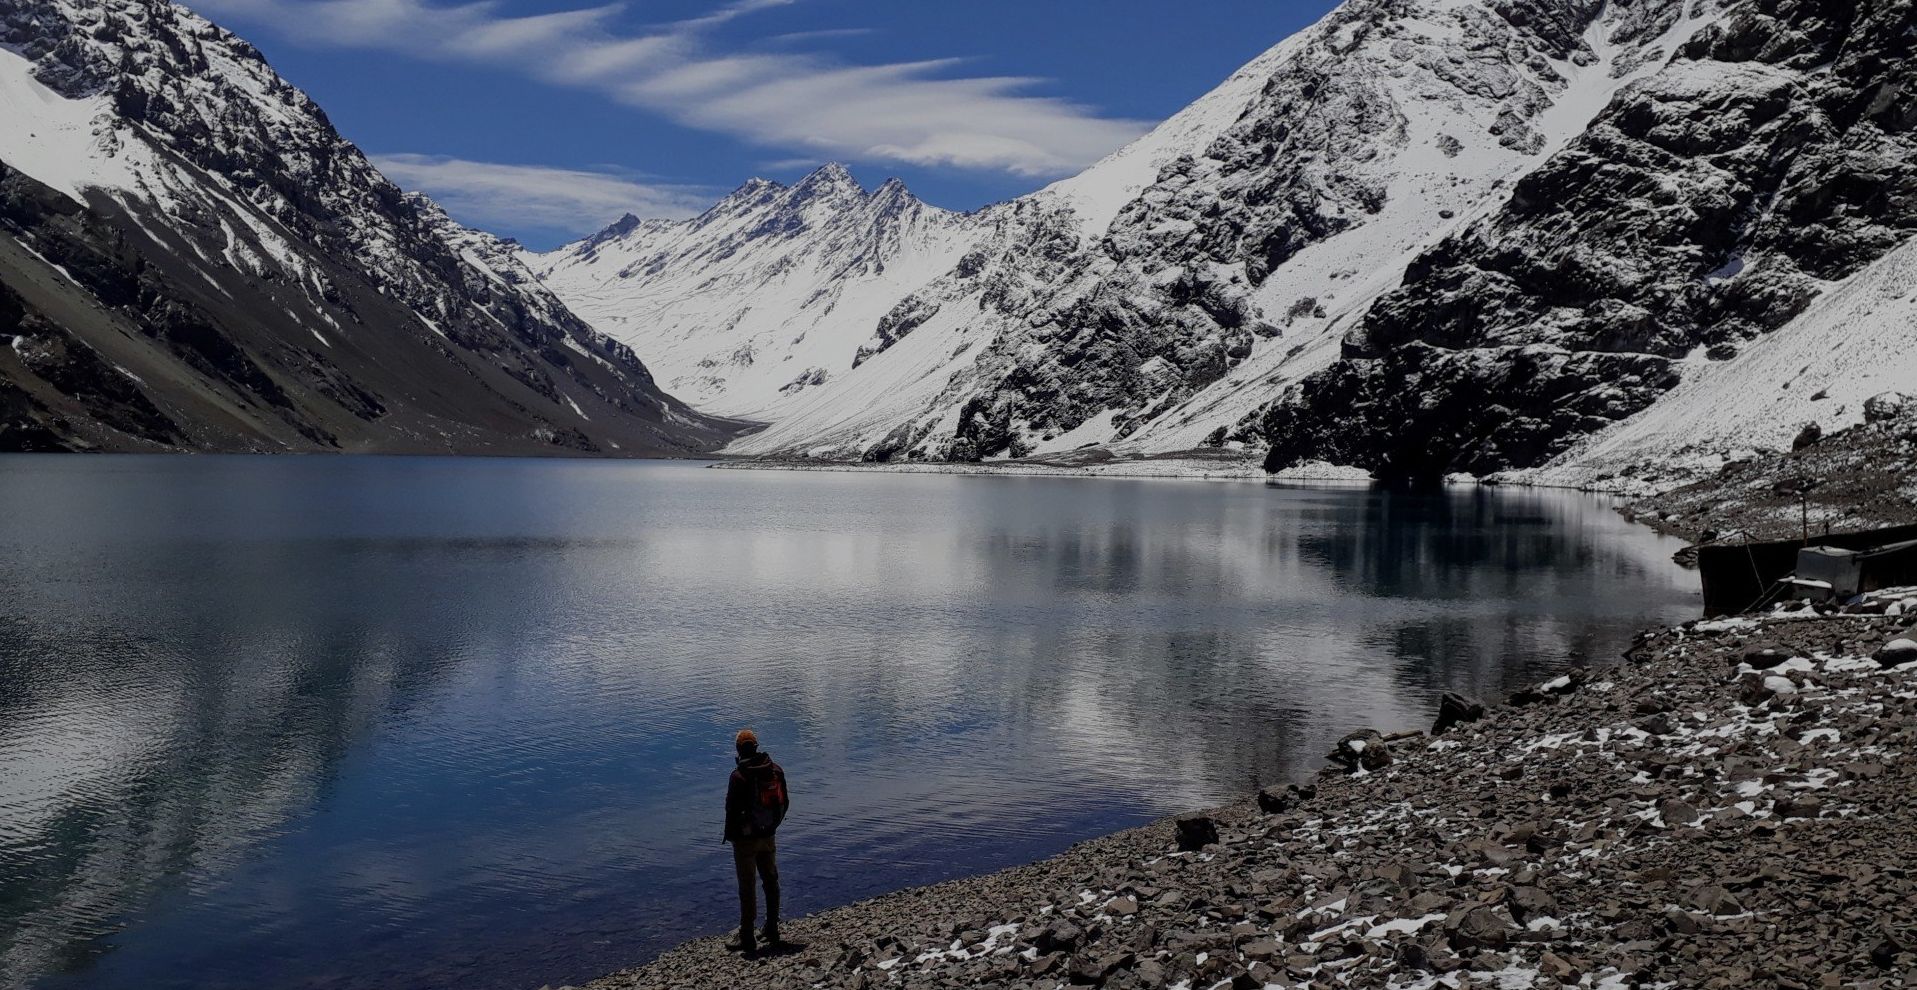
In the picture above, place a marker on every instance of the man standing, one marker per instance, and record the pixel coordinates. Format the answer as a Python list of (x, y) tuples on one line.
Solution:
[(755, 805)]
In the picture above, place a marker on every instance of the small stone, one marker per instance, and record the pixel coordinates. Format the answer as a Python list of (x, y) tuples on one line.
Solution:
[(1557, 967), (1676, 812), (1527, 903), (1059, 936), (1479, 927), (1716, 900), (1659, 724), (1797, 807)]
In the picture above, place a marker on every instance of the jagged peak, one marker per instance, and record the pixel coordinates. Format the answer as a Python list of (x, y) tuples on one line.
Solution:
[(832, 178), (612, 231), (751, 193), (893, 198)]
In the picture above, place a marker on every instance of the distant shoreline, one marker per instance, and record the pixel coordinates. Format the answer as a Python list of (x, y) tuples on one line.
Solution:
[(1202, 466)]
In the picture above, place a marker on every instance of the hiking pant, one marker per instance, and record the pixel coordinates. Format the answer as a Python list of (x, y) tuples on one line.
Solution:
[(756, 856)]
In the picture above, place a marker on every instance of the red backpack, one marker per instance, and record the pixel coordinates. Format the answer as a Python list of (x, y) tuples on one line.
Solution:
[(768, 805)]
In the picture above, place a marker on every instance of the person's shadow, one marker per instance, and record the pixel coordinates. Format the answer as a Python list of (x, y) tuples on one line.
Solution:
[(781, 948)]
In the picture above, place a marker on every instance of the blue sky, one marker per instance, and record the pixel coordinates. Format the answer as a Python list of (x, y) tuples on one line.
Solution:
[(544, 119)]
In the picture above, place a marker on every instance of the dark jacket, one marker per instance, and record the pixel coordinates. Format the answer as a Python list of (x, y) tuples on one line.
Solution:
[(742, 796)]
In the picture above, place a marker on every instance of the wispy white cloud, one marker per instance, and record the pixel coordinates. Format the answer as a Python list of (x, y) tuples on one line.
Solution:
[(822, 34), (808, 103), (564, 200)]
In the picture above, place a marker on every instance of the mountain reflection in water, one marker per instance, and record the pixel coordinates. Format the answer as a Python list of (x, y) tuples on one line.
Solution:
[(390, 722)]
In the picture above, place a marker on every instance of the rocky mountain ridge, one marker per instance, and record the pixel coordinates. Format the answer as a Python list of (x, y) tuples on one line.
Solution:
[(1610, 245), (1703, 209), (1168, 293), (191, 258)]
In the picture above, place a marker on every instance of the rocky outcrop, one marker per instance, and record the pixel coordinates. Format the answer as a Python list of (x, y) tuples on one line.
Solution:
[(1204, 266), (1850, 480), (1703, 208)]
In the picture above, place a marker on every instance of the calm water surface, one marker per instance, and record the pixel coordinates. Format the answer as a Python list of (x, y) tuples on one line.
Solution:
[(376, 722)]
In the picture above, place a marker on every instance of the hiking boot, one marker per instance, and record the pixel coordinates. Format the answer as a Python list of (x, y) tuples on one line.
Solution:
[(747, 944), (771, 934)]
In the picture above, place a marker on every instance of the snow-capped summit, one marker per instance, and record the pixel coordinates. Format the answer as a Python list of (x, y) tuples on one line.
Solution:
[(192, 258), (829, 181), (1168, 291), (795, 279)]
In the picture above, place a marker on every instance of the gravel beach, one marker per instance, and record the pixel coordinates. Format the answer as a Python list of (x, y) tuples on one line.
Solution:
[(1727, 807)]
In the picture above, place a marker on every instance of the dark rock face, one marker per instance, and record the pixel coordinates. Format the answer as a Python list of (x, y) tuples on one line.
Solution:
[(262, 287), (1699, 211), (1196, 833), (1134, 318), (1455, 710)]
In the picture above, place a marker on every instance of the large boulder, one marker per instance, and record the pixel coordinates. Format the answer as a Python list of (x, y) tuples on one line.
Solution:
[(1275, 802), (1364, 750), (1896, 653), (1887, 405), (1196, 833), (1481, 926), (1454, 710)]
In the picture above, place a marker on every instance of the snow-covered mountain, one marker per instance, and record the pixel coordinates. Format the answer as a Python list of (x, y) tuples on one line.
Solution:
[(770, 293), (1716, 258), (1167, 292), (192, 258), (1577, 238)]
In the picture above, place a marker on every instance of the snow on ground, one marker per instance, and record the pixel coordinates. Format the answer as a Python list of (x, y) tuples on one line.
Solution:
[(69, 145), (1855, 341), (1099, 192), (1194, 468), (1436, 187)]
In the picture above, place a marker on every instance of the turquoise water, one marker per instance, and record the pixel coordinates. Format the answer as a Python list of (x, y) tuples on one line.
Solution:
[(390, 722)]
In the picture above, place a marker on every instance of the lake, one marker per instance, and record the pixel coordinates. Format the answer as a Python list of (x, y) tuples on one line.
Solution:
[(356, 722)]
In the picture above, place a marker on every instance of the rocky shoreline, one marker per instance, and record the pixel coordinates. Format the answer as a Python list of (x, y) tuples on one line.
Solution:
[(1845, 481), (1728, 807)]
